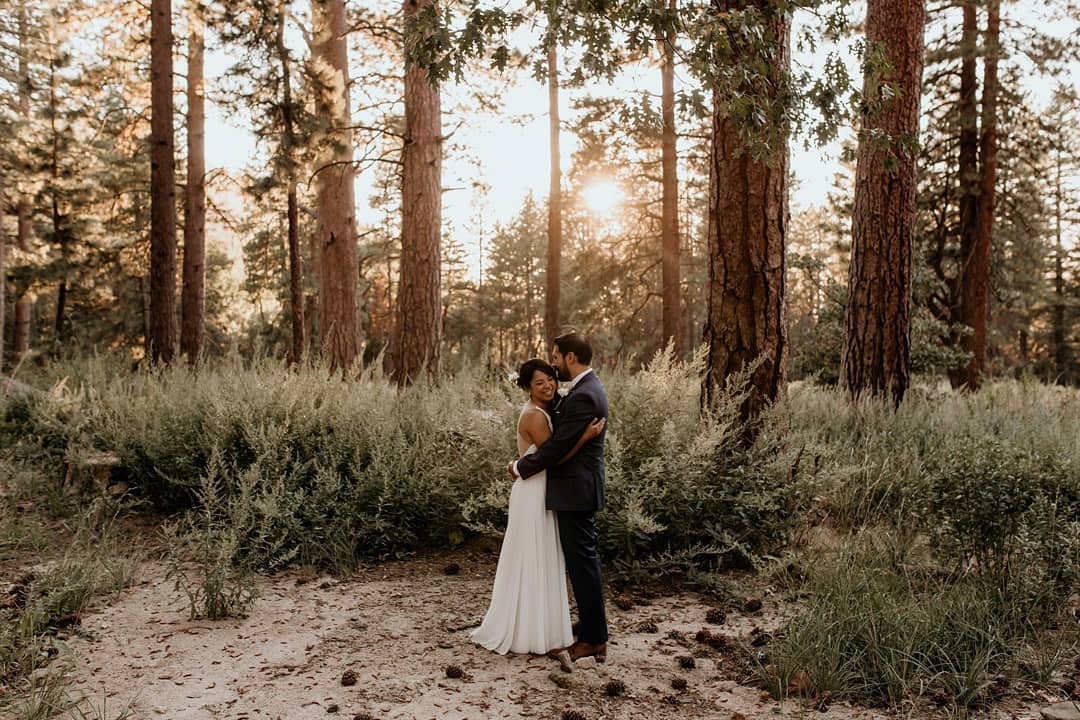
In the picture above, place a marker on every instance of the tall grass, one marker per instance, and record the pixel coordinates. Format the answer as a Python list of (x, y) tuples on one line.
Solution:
[(974, 499), (310, 468)]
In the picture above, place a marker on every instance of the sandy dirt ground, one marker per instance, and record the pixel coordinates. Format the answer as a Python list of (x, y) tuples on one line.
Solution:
[(397, 627)]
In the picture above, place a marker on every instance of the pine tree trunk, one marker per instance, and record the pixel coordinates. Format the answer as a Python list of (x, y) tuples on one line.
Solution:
[(339, 311), (58, 229), (193, 297), (672, 311), (3, 277), (977, 275), (746, 319), (25, 205), (418, 321), (288, 149), (61, 308), (1058, 333), (552, 324), (877, 323), (968, 176), (21, 340), (162, 186)]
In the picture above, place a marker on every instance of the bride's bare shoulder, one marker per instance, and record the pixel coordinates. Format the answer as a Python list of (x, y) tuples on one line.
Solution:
[(532, 420)]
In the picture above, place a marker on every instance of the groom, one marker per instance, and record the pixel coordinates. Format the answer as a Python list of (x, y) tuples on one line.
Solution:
[(575, 489)]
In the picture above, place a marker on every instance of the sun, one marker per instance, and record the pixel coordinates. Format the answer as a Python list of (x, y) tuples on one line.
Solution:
[(602, 196)]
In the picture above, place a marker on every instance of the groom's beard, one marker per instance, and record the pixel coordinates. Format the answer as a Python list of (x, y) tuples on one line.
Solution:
[(564, 372)]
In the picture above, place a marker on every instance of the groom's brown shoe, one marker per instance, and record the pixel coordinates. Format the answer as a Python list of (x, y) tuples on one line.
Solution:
[(583, 649)]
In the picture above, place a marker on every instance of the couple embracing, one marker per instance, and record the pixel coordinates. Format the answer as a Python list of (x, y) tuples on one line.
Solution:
[(551, 528)]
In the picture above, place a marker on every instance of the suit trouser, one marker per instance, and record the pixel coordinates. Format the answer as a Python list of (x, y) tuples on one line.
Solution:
[(577, 533)]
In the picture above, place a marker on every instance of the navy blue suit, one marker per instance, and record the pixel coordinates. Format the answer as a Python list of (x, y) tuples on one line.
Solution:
[(575, 490)]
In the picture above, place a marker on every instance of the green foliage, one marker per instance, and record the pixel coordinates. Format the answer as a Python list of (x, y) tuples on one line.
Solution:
[(95, 564), (1010, 513), (684, 495), (278, 466), (883, 625)]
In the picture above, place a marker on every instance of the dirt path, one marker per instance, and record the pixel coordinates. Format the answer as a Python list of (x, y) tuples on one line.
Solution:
[(397, 627)]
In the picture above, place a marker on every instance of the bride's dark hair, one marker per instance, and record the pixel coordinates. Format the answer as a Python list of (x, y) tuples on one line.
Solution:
[(529, 367)]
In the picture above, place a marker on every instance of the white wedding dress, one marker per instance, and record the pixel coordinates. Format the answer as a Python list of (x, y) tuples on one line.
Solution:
[(529, 611)]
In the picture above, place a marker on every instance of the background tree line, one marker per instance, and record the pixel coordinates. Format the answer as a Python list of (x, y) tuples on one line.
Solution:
[(949, 245)]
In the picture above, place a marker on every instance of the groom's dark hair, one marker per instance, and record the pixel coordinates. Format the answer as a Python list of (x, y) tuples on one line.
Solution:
[(577, 344)]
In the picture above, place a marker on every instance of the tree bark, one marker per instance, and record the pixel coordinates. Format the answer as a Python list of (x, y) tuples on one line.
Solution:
[(967, 173), (288, 149), (418, 322), (339, 312), (746, 321), (21, 333), (193, 297), (3, 276), (877, 322), (25, 205), (58, 227), (162, 186), (552, 324), (1058, 333), (976, 288), (672, 312)]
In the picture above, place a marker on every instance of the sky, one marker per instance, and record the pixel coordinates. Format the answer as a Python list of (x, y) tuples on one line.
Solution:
[(514, 156)]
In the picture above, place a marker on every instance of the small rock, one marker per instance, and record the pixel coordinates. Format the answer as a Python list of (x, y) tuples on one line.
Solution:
[(332, 708), (1061, 711)]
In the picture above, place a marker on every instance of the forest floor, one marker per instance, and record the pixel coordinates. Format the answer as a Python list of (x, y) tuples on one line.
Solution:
[(396, 627)]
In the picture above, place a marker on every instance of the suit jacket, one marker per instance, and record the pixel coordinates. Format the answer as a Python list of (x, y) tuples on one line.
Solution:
[(577, 484)]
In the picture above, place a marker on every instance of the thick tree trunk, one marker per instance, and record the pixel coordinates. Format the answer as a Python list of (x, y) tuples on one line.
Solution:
[(288, 149), (162, 186), (976, 288), (877, 321), (552, 323), (967, 174), (339, 312), (746, 319), (418, 321), (672, 311), (193, 297)]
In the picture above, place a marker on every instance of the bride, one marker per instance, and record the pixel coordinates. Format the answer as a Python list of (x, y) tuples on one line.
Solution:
[(529, 610)]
